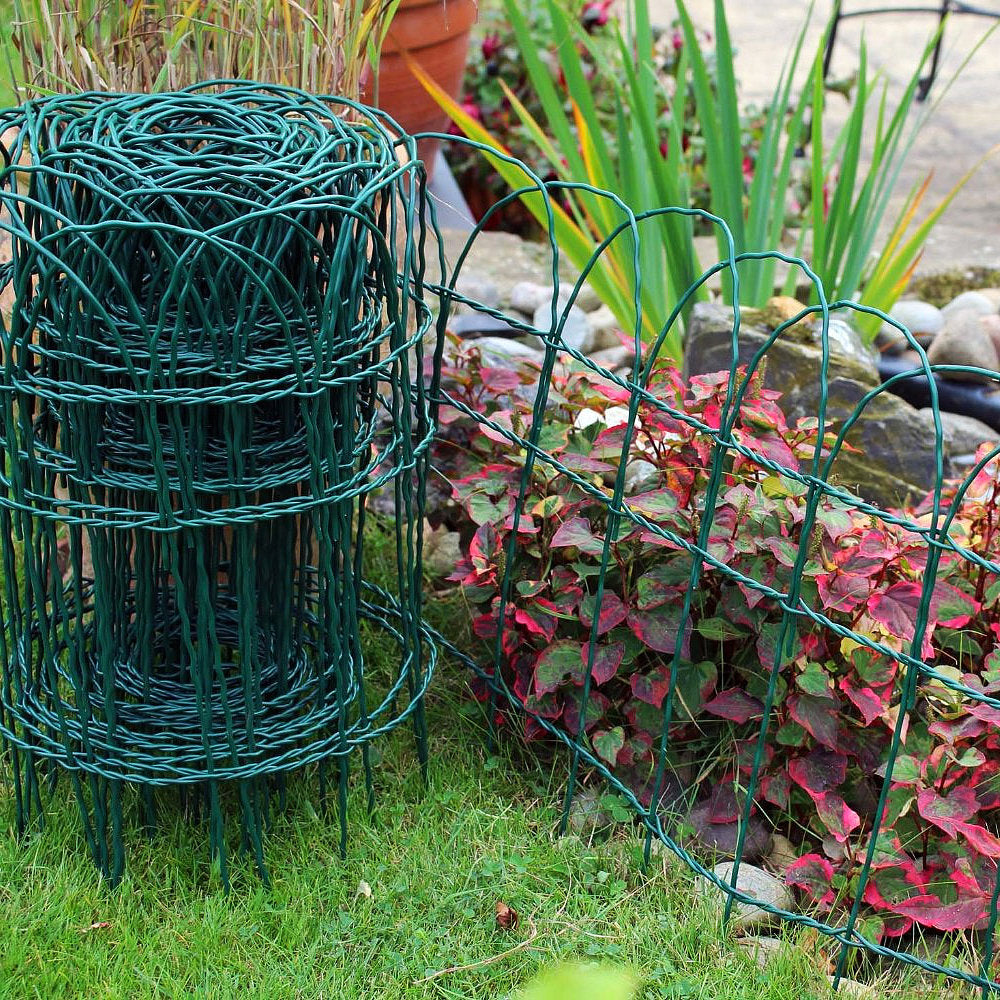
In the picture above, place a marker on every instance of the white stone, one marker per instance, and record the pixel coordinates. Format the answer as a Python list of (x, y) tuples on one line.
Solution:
[(756, 883), (527, 296), (480, 290), (919, 317), (974, 302)]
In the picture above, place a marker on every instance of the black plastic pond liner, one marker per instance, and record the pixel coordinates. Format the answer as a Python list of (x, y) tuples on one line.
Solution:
[(970, 399)]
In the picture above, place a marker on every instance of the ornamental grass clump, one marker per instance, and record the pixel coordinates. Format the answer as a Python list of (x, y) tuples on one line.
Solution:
[(839, 690), (844, 191), (156, 45)]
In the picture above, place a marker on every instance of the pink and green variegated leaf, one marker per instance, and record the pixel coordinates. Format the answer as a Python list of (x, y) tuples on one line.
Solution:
[(813, 874), (575, 531), (896, 608), (980, 839), (613, 612), (948, 812), (776, 788), (654, 505), (952, 607), (555, 665), (839, 819), (865, 700), (538, 619), (576, 462), (662, 583), (818, 771), (651, 686), (608, 744), (841, 591), (607, 660), (818, 716), (734, 705), (929, 911), (658, 627)]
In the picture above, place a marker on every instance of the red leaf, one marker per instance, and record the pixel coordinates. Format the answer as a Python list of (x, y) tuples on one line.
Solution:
[(576, 531), (981, 839), (734, 705), (929, 911), (818, 771), (537, 620), (651, 687), (817, 716), (896, 608), (607, 660), (813, 874), (658, 627), (836, 815), (947, 812), (865, 700), (613, 612)]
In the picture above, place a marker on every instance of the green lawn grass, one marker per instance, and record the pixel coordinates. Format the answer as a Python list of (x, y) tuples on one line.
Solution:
[(436, 860), (410, 912)]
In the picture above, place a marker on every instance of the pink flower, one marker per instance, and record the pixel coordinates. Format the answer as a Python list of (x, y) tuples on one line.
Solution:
[(471, 108), (677, 40), (491, 46), (596, 14)]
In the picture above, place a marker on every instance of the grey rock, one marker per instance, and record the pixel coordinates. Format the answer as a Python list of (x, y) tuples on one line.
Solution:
[(963, 435), (614, 358), (974, 302), (756, 883), (640, 476), (719, 840), (895, 460), (964, 341), (588, 300), (761, 949), (498, 351), (576, 331), (604, 329), (479, 289), (783, 854), (844, 340), (477, 324), (527, 296), (442, 550)]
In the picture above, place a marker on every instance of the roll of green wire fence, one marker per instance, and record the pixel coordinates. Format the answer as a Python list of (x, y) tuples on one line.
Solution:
[(214, 355)]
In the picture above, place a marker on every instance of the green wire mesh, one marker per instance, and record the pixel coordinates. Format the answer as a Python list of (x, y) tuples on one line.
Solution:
[(723, 445), (210, 363)]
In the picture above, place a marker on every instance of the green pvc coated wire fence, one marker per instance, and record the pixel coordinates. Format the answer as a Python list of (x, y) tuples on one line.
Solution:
[(731, 456), (209, 364), (214, 356)]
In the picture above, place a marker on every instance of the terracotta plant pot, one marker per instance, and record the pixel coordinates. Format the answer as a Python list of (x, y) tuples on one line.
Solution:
[(435, 34)]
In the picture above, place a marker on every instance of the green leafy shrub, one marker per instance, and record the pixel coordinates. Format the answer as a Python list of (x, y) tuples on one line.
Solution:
[(836, 699)]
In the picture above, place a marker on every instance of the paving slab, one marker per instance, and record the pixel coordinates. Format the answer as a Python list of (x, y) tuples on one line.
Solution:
[(964, 124)]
